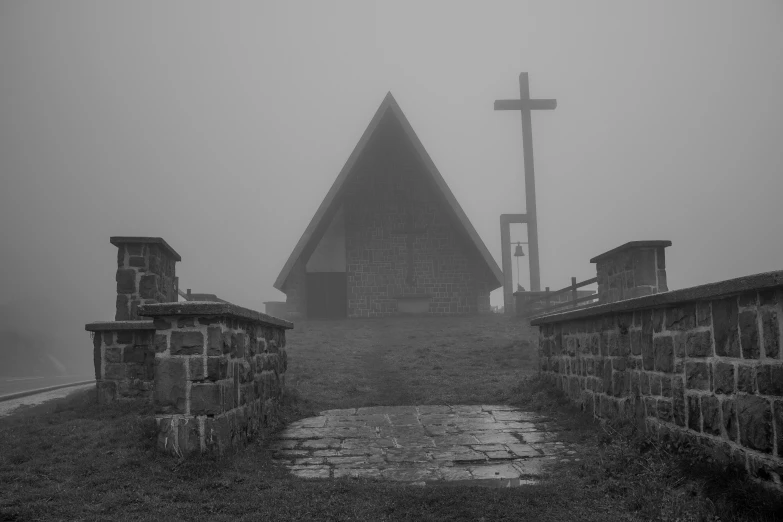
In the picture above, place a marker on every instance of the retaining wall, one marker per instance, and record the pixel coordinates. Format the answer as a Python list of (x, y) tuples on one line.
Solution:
[(219, 374), (702, 363)]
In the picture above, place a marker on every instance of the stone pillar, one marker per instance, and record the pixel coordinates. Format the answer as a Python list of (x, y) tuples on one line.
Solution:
[(146, 274), (631, 270), (219, 374)]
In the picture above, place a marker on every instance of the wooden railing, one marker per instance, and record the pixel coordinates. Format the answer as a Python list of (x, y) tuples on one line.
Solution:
[(575, 302)]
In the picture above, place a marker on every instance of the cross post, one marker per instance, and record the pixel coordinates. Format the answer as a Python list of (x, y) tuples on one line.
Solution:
[(525, 105)]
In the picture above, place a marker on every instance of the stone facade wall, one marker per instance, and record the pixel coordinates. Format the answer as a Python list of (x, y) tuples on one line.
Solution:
[(145, 274), (124, 357), (377, 204), (219, 375), (708, 369), (630, 272)]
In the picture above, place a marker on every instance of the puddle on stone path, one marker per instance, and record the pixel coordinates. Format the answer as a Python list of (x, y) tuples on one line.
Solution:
[(491, 446)]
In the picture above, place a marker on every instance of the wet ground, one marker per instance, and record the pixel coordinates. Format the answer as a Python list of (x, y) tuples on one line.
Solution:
[(427, 445)]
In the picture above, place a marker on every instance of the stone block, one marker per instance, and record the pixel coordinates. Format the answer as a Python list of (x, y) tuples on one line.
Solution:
[(189, 437), (636, 342), (238, 345), (618, 383), (658, 320), (187, 343), (226, 342), (778, 415), (137, 262), (186, 322), (124, 337), (624, 344), (217, 368), (681, 317), (148, 286), (170, 385), (138, 354), (214, 340), (126, 281), (664, 410), (746, 379), (694, 412), (748, 299), (711, 414), (730, 420), (113, 354), (664, 353), (768, 297), (648, 354), (699, 344), (724, 323), (205, 399), (122, 311), (770, 333), (217, 435), (228, 395), (666, 386), (703, 314), (755, 422), (723, 378), (697, 375), (678, 400), (160, 343), (749, 334), (196, 366), (114, 371), (97, 355), (607, 377), (770, 379)]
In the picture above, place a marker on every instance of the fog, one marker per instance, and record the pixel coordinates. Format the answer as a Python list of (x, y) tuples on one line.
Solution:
[(220, 126)]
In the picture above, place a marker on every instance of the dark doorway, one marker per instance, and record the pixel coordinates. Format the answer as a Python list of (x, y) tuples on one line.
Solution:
[(327, 295)]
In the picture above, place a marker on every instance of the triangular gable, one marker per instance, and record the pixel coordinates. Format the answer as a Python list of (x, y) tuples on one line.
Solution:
[(388, 104)]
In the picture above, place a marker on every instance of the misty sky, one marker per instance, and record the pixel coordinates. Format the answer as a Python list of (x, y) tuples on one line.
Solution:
[(220, 126)]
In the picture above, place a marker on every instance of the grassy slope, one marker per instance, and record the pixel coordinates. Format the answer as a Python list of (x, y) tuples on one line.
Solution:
[(70, 460)]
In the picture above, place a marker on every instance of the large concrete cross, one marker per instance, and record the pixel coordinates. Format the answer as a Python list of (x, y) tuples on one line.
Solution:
[(524, 104)]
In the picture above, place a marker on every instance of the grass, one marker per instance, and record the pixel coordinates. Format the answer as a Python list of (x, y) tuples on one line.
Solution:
[(71, 460)]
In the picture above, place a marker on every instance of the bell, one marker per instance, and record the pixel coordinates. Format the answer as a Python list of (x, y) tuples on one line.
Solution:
[(519, 252)]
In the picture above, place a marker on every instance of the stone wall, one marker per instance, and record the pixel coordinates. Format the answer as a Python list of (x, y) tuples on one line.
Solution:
[(219, 374), (384, 200), (145, 274), (631, 270), (124, 357), (702, 363)]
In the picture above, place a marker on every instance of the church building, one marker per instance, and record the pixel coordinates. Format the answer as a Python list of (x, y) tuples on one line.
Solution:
[(389, 238)]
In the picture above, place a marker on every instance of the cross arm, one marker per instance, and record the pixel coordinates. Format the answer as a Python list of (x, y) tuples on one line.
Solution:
[(516, 105)]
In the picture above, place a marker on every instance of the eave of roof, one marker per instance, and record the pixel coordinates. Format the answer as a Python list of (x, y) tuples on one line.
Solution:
[(389, 103)]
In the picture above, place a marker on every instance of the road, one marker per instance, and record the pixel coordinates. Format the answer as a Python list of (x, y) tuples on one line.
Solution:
[(19, 384)]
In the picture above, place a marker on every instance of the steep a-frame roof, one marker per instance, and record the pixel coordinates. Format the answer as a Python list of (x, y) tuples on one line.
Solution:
[(325, 210)]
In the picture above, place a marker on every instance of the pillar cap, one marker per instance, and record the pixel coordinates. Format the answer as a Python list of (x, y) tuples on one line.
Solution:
[(121, 240), (631, 245)]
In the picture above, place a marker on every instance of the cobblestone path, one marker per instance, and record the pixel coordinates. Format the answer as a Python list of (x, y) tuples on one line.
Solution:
[(497, 445)]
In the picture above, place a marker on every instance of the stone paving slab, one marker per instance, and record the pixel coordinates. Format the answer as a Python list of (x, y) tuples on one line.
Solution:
[(430, 444)]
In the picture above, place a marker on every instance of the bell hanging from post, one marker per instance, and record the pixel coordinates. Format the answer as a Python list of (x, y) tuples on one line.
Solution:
[(519, 252)]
